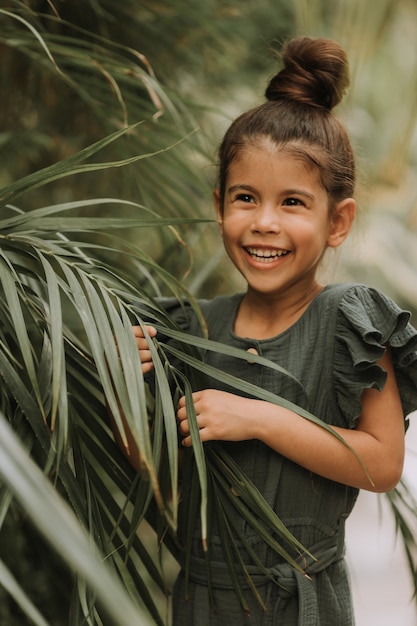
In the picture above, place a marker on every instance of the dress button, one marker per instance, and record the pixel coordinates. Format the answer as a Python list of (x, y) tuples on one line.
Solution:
[(252, 351)]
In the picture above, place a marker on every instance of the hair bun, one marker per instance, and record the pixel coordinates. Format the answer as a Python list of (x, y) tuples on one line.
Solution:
[(316, 73)]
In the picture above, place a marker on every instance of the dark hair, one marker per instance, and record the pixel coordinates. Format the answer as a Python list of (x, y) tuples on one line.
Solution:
[(298, 116)]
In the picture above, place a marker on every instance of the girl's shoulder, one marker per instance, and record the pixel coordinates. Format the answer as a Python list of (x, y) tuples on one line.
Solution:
[(367, 322)]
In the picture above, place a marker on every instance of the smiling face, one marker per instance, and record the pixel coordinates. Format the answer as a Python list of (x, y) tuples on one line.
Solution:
[(275, 220)]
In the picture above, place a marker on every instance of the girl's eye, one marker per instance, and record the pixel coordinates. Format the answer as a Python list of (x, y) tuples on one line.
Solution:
[(244, 197), (293, 202)]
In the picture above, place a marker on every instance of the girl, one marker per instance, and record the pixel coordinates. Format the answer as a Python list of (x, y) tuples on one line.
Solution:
[(286, 195)]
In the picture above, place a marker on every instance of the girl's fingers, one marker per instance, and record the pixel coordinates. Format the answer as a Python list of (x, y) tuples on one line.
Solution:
[(142, 344), (147, 367), (145, 356), (181, 402), (143, 347), (184, 427), (181, 413), (183, 422), (185, 433), (141, 340), (139, 334)]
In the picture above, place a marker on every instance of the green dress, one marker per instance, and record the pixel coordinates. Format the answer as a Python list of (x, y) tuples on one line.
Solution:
[(332, 349)]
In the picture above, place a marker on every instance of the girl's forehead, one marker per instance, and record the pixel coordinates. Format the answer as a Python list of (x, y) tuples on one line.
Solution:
[(275, 166), (268, 145), (291, 156)]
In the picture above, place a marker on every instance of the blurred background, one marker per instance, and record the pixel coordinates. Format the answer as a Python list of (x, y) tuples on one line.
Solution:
[(74, 71), (382, 587)]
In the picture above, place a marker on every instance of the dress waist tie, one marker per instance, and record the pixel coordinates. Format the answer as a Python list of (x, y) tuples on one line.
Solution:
[(290, 582)]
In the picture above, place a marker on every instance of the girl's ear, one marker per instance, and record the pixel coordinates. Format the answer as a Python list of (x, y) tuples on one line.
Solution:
[(218, 207), (341, 222)]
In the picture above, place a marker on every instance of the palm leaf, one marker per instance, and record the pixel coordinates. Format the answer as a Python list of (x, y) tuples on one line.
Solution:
[(403, 505), (59, 526), (112, 86), (71, 166), (70, 279), (13, 303), (9, 582)]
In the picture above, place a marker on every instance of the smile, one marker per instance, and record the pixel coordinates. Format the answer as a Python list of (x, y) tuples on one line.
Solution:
[(264, 255)]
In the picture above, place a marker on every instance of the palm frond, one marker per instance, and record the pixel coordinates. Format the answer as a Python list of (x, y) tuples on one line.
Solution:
[(403, 505), (9, 582), (59, 526), (109, 85)]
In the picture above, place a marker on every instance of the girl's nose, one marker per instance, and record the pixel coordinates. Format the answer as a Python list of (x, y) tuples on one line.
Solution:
[(266, 220)]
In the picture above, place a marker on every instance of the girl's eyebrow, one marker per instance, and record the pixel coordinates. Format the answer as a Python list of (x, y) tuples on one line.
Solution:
[(299, 192), (240, 187), (286, 192)]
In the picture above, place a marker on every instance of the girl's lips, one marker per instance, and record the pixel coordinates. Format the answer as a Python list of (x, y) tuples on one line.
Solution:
[(265, 255)]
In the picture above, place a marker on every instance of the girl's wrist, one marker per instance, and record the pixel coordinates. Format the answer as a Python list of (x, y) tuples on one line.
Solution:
[(260, 420)]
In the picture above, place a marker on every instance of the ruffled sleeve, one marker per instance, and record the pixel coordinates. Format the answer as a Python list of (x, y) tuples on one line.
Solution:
[(367, 322)]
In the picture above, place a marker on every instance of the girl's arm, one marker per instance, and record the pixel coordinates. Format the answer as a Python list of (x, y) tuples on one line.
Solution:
[(378, 438)]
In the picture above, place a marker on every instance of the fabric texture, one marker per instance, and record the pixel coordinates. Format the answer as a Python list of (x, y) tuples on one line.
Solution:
[(333, 350)]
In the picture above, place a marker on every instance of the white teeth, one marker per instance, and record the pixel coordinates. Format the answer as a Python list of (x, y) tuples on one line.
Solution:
[(266, 254)]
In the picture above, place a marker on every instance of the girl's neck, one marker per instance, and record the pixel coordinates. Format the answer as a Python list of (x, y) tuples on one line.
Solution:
[(260, 317)]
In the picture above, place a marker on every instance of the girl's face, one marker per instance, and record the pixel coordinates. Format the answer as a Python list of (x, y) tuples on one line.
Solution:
[(275, 220)]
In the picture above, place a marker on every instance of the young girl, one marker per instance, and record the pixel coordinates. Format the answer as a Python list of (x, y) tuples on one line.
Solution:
[(286, 195)]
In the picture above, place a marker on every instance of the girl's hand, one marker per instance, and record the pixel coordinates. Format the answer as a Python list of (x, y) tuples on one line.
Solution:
[(142, 343), (220, 416)]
